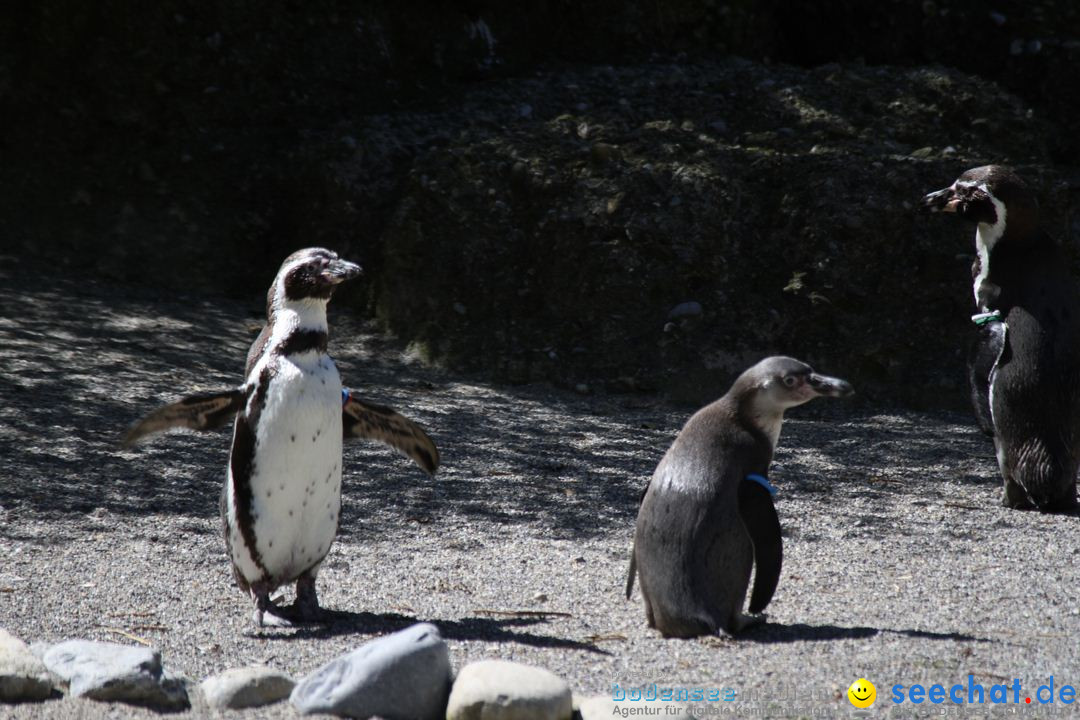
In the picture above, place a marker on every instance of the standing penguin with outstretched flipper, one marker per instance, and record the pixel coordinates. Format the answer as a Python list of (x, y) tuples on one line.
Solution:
[(707, 516), (1025, 363), (281, 503)]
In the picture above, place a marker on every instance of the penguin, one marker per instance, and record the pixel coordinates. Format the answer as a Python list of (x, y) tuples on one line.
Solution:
[(1024, 366), (707, 515), (280, 505)]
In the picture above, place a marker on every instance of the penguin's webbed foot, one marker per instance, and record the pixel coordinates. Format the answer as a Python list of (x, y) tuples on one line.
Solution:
[(267, 613), (273, 616), (742, 621), (1015, 497), (306, 608), (1064, 505)]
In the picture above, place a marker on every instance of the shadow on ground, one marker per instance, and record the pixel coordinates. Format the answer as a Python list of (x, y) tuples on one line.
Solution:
[(797, 632), (344, 623), (83, 362)]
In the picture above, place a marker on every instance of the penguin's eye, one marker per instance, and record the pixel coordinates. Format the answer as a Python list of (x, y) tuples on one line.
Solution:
[(790, 381)]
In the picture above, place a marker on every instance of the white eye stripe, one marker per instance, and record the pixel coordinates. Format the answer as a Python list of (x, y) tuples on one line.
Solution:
[(986, 237), (279, 293)]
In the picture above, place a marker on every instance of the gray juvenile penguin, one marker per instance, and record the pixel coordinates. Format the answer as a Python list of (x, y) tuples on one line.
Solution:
[(707, 516), (1024, 366), (280, 506)]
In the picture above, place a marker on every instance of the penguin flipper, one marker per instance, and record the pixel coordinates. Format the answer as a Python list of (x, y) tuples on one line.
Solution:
[(205, 411), (375, 422), (633, 551), (758, 514), (983, 357)]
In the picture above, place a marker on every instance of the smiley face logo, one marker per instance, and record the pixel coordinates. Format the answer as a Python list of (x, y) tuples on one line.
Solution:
[(862, 693)]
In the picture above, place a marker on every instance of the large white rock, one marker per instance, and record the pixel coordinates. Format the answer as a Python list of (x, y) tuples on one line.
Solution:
[(246, 687), (403, 676), (23, 677), (115, 673), (501, 690)]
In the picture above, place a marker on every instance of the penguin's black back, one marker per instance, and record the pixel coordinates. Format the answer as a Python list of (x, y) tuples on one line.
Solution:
[(694, 556), (1036, 390)]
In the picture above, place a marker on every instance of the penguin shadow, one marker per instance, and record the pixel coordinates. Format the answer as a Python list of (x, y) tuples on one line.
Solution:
[(771, 633), (479, 629)]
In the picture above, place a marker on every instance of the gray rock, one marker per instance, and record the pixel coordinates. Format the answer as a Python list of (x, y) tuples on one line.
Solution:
[(116, 673), (39, 648), (719, 126), (402, 676), (246, 687), (686, 309), (23, 677), (501, 690)]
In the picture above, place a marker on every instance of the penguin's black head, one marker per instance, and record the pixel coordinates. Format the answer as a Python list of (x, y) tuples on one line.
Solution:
[(779, 383), (311, 273), (987, 195)]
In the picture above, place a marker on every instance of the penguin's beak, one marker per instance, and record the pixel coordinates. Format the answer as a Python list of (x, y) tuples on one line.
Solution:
[(942, 201), (339, 271), (830, 386)]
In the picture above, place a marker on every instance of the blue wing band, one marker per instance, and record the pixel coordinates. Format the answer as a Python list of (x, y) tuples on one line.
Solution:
[(760, 480)]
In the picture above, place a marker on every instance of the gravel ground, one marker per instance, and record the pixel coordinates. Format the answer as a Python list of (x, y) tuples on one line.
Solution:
[(900, 565)]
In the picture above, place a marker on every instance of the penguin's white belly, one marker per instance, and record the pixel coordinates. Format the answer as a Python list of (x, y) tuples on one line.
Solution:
[(296, 478)]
